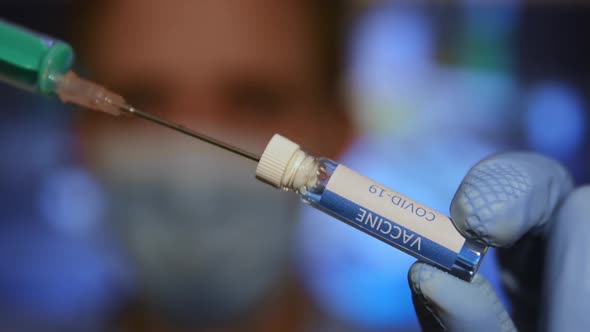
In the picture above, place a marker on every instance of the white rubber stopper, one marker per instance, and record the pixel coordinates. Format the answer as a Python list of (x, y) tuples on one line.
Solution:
[(275, 160)]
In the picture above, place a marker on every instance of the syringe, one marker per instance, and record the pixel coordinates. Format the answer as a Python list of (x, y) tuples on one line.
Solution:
[(42, 65)]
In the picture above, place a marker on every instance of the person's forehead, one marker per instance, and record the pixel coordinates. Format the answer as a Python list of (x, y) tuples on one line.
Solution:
[(149, 32)]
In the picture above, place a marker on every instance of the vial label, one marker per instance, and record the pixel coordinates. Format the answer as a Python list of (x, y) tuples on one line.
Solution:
[(392, 217)]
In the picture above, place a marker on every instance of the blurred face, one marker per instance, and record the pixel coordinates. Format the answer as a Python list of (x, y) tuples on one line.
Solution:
[(208, 240), (236, 70)]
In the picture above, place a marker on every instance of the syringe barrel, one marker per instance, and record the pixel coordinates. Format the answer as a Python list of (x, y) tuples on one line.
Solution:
[(370, 207), (29, 59)]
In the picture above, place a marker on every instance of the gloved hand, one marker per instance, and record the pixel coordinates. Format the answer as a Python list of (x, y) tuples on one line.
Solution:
[(525, 205)]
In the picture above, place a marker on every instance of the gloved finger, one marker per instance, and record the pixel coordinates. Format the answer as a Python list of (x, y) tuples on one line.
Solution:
[(446, 303), (567, 273), (505, 196)]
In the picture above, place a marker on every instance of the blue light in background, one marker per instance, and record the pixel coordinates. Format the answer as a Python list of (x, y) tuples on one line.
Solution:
[(555, 121), (51, 279), (391, 62), (390, 47), (394, 39), (57, 269), (70, 200)]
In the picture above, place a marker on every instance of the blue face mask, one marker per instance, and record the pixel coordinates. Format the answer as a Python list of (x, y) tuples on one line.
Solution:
[(209, 242)]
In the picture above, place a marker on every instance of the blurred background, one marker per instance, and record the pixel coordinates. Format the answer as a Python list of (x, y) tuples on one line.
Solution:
[(116, 225)]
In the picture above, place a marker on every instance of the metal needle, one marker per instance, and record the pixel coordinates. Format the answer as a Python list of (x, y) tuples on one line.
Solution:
[(133, 111)]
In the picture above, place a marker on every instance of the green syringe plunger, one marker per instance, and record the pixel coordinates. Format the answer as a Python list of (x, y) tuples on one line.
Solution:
[(42, 65)]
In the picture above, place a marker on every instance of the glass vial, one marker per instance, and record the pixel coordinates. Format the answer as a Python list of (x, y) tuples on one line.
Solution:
[(368, 206)]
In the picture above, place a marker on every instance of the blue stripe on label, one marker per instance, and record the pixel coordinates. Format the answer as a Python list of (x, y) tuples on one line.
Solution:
[(387, 230)]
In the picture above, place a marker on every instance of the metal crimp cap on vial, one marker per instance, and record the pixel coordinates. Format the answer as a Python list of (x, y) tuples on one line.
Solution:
[(275, 160)]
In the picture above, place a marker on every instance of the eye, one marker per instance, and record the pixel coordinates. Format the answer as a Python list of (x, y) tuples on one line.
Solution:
[(256, 99)]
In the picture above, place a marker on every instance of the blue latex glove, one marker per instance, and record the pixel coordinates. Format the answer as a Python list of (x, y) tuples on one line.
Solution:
[(524, 204)]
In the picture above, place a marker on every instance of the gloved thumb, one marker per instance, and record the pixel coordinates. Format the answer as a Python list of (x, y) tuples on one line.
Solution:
[(446, 303)]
